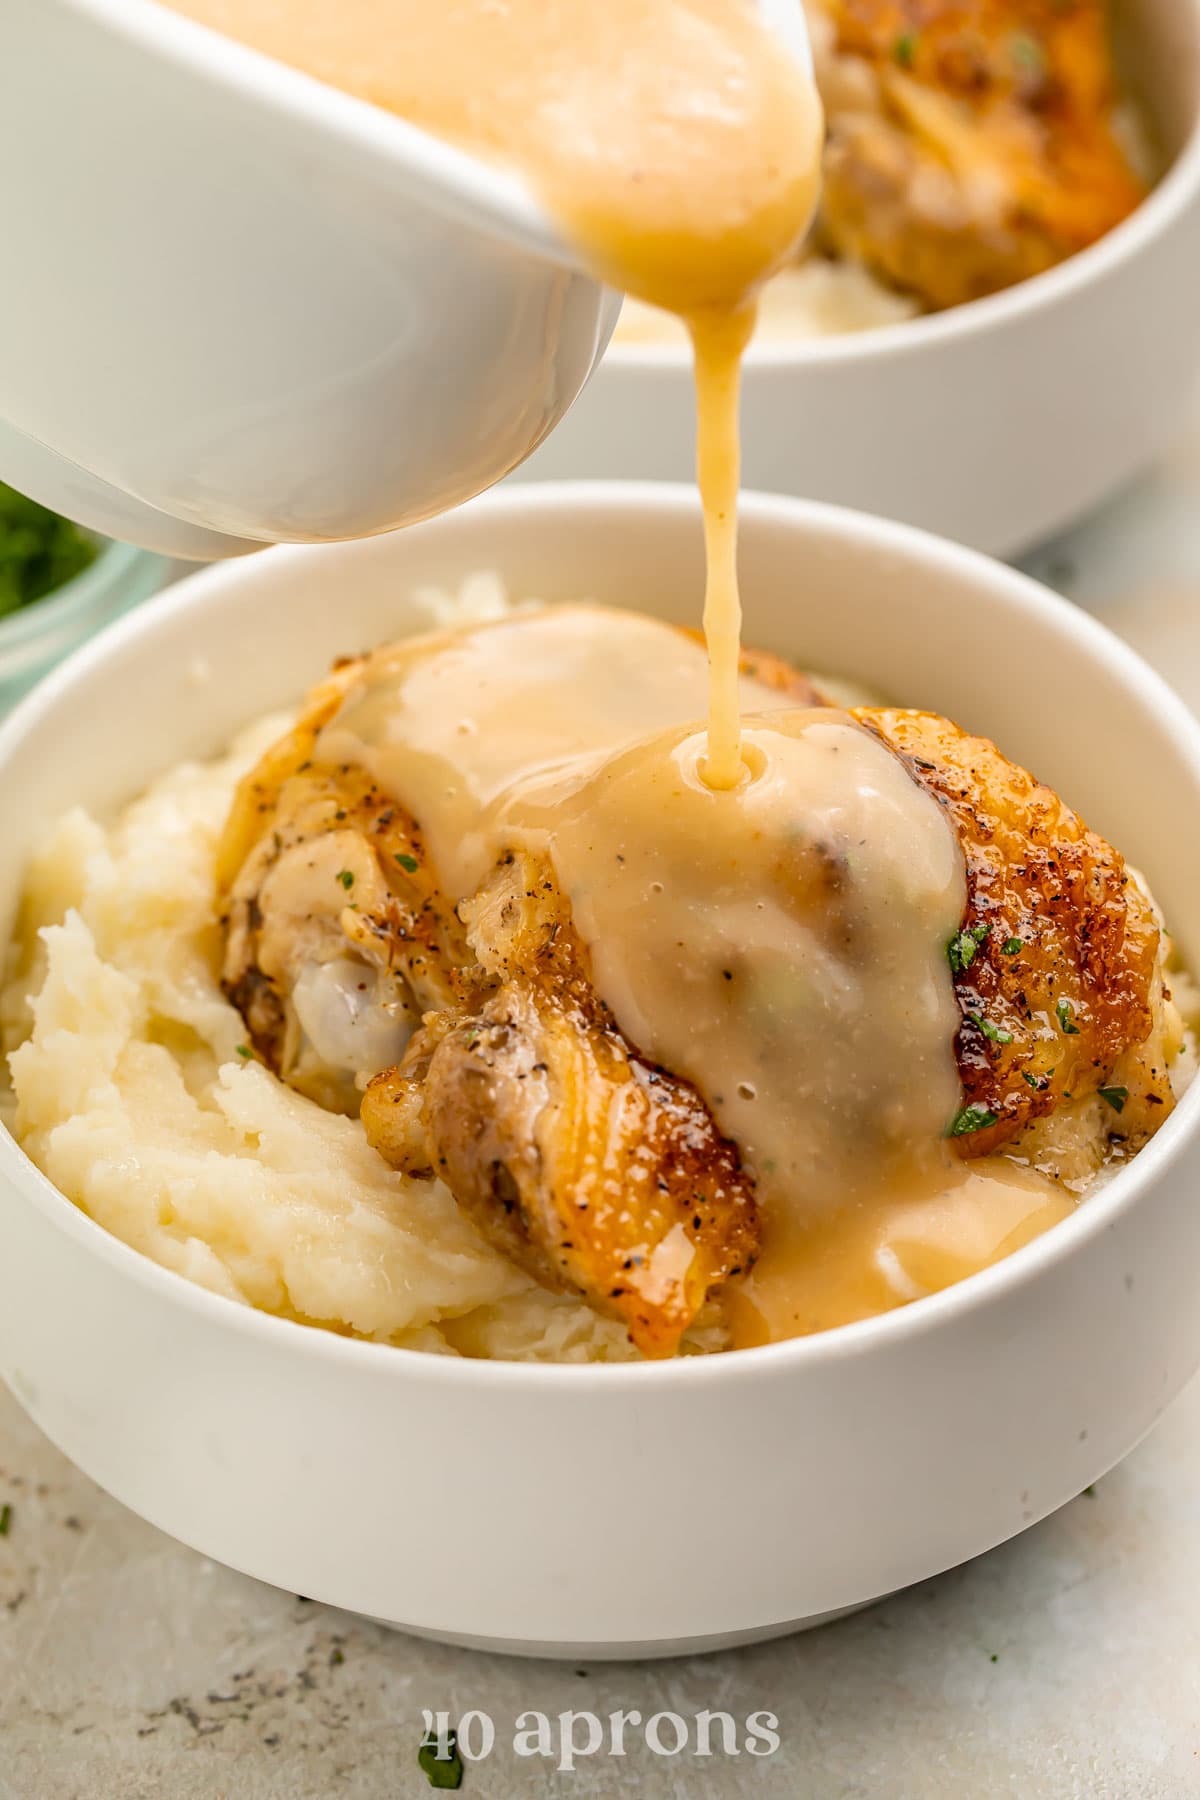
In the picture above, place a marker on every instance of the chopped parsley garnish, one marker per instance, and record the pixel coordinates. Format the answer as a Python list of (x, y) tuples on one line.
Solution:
[(992, 1032), (346, 877), (970, 1118), (1116, 1097), (1027, 53), (407, 862), (1066, 1022), (5, 1519), (441, 1771), (964, 945), (1036, 1082), (905, 49), (1011, 946), (245, 1050)]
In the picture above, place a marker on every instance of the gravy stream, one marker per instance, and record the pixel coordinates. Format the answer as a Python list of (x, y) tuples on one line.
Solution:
[(675, 142)]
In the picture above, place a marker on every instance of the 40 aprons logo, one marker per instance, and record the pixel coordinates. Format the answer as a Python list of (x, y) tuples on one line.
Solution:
[(566, 1738)]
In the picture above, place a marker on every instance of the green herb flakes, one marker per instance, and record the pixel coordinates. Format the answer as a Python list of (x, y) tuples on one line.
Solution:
[(970, 1118), (993, 1033), (905, 49), (1013, 946), (1116, 1097), (407, 863), (964, 946), (441, 1771), (5, 1519), (346, 877), (244, 1051), (1067, 1025), (1027, 53)]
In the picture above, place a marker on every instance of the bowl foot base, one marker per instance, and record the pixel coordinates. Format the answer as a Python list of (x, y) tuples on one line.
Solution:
[(631, 1651)]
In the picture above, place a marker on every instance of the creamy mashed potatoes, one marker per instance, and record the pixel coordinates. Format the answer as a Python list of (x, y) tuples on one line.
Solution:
[(133, 1090), (819, 298)]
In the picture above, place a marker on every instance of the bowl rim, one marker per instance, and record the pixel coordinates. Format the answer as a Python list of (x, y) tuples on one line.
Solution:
[(1103, 1209), (1175, 192)]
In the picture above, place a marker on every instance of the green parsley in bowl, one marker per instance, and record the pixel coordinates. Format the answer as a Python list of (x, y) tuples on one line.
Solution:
[(58, 585)]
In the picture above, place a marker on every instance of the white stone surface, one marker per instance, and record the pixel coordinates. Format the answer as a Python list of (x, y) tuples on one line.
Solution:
[(1064, 1666)]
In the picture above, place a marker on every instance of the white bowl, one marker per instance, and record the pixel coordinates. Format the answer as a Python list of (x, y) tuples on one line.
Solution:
[(250, 308), (622, 1509), (995, 423)]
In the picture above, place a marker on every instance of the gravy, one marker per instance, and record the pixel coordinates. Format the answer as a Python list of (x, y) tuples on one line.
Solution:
[(675, 142)]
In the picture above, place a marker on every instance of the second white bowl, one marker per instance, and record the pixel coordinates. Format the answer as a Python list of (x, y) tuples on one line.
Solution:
[(996, 423)]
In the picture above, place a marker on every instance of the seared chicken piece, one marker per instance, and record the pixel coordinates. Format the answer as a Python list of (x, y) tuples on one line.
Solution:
[(588, 1166), (490, 1061), (337, 938), (1058, 964), (971, 143)]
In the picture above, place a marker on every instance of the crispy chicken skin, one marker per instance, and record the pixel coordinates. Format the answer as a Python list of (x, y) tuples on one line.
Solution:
[(972, 143), (1057, 966), (591, 1168), (330, 910), (489, 1060)]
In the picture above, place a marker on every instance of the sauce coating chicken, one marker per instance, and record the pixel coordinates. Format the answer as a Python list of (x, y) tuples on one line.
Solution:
[(972, 143), (480, 1051)]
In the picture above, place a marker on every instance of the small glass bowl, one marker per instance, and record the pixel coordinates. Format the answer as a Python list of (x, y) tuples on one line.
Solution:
[(37, 636)]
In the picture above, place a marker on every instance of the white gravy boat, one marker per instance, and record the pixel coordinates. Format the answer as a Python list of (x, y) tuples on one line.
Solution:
[(240, 307)]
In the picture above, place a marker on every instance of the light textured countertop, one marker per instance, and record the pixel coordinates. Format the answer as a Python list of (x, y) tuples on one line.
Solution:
[(1064, 1666)]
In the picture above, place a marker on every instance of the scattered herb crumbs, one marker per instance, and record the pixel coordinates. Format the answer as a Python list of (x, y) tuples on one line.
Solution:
[(5, 1519), (1090, 1492), (1067, 1023), (346, 877), (441, 1771), (407, 862), (1032, 1081), (970, 1118), (963, 946), (337, 1657), (993, 1033), (905, 49), (245, 1050), (995, 1656), (1116, 1097), (1011, 946), (1027, 53)]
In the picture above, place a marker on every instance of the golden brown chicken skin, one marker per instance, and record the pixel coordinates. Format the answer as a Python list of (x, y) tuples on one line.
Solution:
[(591, 1168), (337, 936), (1057, 964), (972, 143)]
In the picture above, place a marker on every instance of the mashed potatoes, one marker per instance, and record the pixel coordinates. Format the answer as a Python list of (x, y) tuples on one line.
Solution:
[(818, 299), (134, 1092)]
